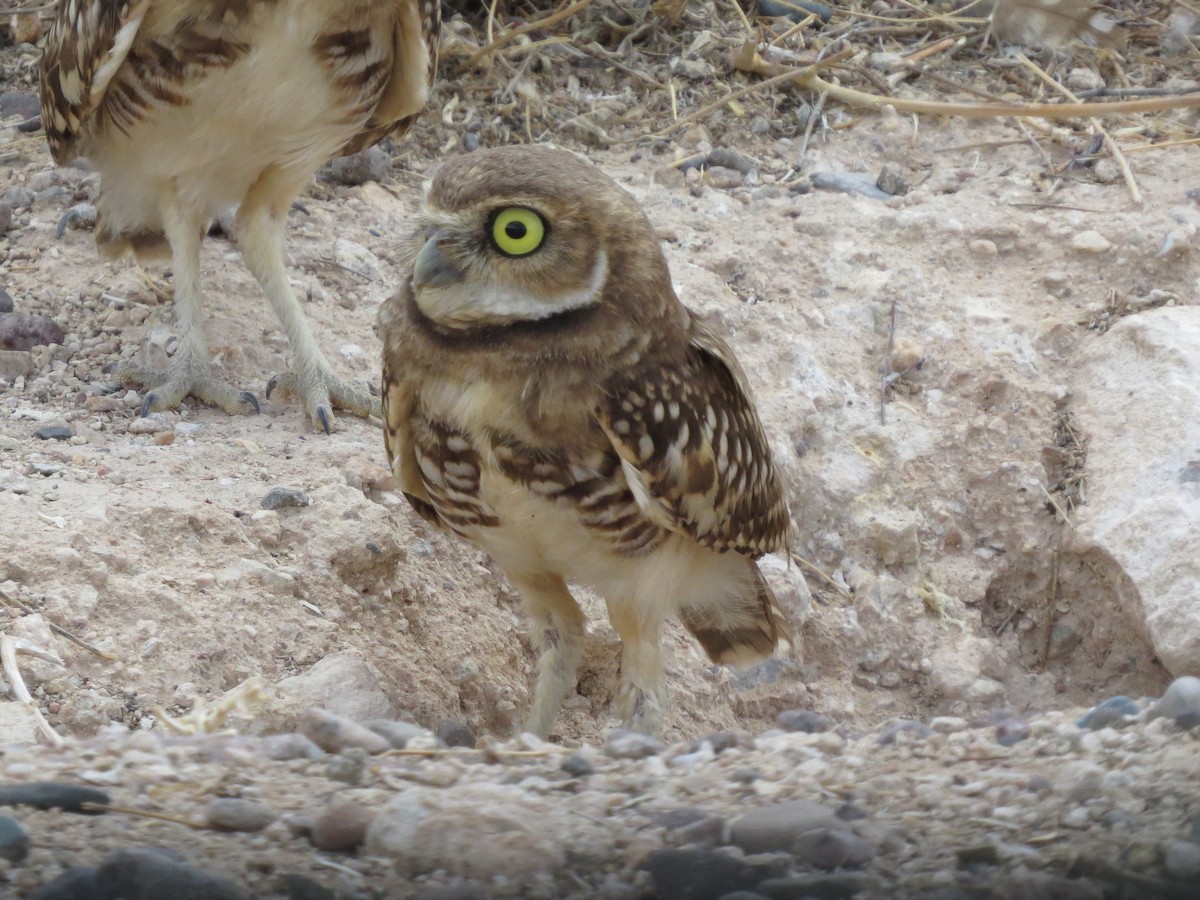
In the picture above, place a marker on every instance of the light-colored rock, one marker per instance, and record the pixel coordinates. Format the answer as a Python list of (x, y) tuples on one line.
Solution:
[(480, 831), (1090, 242), (341, 683), (1137, 395), (18, 725)]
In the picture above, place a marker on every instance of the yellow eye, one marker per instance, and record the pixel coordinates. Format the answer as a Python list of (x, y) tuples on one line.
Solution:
[(517, 231)]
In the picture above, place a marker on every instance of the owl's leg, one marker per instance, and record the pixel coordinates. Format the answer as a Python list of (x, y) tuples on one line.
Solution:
[(260, 226), (641, 698), (557, 635), (189, 371)]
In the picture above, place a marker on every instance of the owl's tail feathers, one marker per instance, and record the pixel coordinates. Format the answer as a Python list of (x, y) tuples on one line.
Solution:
[(741, 630)]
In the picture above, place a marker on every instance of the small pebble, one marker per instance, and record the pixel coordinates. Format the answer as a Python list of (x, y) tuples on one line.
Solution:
[(1113, 711), (54, 433), (624, 744), (984, 248), (398, 734), (1012, 731), (453, 733), (148, 874), (6, 300), (979, 855), (696, 874), (775, 828), (1090, 242), (348, 766), (333, 733), (236, 814), (52, 795), (1181, 702), (280, 497), (892, 180), (577, 766), (371, 164), (6, 217), (832, 848), (301, 887), (14, 842), (24, 331), (1182, 860), (77, 883), (910, 727), (282, 747), (342, 826), (803, 720)]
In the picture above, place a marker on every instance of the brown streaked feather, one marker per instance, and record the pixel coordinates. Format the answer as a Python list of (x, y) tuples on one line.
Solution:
[(86, 36), (694, 451), (741, 642)]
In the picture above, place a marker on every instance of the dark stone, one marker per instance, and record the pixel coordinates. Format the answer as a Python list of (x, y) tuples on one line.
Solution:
[(1012, 731), (453, 733), (78, 883), (301, 887), (17, 198), (52, 795), (371, 164), (149, 874), (14, 842), (577, 766), (6, 300), (1113, 711), (1195, 836), (825, 887), (851, 812), (911, 727), (54, 433), (803, 720), (24, 331), (693, 874), (979, 855), (14, 103), (280, 497), (796, 11)]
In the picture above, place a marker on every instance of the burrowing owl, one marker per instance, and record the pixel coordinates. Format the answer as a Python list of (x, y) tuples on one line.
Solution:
[(190, 108), (548, 398)]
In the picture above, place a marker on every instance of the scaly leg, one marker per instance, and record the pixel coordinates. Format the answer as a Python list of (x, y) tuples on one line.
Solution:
[(641, 700), (189, 372), (261, 221), (557, 634)]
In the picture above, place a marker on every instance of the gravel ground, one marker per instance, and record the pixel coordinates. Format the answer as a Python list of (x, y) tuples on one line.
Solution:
[(1076, 803)]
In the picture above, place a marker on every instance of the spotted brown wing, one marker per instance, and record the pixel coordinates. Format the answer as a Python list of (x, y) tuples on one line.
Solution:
[(693, 449), (85, 46)]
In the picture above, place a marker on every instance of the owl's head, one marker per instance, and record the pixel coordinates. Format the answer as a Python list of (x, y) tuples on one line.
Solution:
[(526, 234)]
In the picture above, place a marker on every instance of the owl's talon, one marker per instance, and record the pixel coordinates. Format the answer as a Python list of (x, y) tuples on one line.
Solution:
[(147, 402), (322, 392), (252, 400)]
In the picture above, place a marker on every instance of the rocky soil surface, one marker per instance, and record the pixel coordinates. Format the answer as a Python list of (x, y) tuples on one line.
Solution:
[(981, 386)]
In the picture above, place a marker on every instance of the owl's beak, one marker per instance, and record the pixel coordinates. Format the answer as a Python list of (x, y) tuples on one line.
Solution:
[(432, 269)]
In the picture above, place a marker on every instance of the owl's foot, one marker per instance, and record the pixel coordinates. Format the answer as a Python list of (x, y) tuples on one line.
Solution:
[(165, 389), (322, 391), (642, 710)]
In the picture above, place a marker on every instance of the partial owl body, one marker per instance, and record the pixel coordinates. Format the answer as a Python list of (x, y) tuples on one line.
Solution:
[(549, 399), (179, 102), (191, 108)]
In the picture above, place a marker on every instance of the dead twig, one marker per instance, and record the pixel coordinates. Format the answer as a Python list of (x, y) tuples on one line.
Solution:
[(9, 647), (58, 629), (513, 33)]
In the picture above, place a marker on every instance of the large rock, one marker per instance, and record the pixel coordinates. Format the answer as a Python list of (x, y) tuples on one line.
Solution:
[(1137, 398)]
